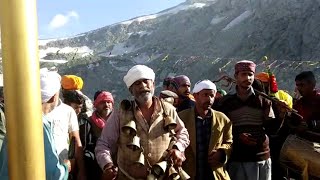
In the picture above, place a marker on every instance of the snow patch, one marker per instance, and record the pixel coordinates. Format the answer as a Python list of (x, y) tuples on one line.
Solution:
[(59, 61), (43, 42), (79, 50), (174, 10), (118, 49), (123, 68), (179, 8), (141, 58), (217, 20), (198, 5), (140, 19), (92, 65), (141, 33), (238, 20)]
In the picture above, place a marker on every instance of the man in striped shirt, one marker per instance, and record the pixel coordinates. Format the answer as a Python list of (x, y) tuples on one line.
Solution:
[(250, 158)]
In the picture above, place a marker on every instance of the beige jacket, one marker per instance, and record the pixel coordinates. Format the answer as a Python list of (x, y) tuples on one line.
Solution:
[(221, 138)]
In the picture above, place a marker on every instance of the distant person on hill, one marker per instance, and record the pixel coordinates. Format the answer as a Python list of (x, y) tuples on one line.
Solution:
[(182, 86)]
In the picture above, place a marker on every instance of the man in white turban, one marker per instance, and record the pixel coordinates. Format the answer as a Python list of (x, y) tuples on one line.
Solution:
[(50, 86), (210, 135), (152, 124)]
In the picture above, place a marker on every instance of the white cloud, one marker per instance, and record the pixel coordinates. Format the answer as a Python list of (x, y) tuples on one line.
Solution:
[(60, 20)]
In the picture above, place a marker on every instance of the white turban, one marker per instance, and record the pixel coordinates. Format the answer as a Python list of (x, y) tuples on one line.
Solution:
[(205, 84), (138, 72), (50, 84)]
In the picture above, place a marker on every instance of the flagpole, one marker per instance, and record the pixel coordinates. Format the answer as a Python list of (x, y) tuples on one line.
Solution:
[(18, 19)]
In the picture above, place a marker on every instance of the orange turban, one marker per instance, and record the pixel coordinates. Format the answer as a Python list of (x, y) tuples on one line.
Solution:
[(263, 76), (71, 82)]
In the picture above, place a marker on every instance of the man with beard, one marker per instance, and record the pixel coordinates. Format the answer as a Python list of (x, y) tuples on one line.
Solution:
[(148, 139), (250, 157), (103, 107), (210, 136), (91, 130), (182, 86), (55, 169)]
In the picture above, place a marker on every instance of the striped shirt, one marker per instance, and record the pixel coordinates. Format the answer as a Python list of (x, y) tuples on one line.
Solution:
[(248, 116)]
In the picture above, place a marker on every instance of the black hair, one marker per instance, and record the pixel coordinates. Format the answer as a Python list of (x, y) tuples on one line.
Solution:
[(72, 96), (258, 85), (167, 81), (307, 76), (96, 94)]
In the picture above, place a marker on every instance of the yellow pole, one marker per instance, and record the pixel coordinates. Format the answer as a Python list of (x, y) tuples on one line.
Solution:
[(22, 89)]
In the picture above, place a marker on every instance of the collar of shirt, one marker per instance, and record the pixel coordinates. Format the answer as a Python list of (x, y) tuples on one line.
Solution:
[(251, 92), (156, 111), (208, 115)]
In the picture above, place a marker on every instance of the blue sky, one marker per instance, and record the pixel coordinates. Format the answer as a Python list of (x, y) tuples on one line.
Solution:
[(61, 18)]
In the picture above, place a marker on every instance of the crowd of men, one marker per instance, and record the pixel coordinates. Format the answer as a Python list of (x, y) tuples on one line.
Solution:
[(180, 134)]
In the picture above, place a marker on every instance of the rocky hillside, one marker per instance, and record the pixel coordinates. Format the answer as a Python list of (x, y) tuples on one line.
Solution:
[(199, 38)]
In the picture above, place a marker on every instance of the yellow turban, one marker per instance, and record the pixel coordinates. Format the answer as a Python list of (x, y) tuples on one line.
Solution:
[(263, 76), (71, 82)]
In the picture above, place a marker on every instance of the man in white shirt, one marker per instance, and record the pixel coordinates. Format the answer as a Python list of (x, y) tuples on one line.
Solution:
[(65, 125)]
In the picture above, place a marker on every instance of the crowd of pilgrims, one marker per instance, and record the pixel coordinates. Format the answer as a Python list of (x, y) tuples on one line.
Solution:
[(204, 133)]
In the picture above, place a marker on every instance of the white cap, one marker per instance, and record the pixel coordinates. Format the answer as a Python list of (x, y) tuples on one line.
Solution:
[(205, 84), (138, 72), (50, 84)]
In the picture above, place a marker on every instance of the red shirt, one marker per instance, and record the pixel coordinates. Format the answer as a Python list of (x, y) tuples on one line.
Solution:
[(309, 108)]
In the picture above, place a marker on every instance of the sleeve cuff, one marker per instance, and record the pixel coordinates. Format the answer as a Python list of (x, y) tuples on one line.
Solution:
[(179, 147), (105, 162)]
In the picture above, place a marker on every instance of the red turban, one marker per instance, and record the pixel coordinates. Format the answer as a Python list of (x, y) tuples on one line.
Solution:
[(103, 97)]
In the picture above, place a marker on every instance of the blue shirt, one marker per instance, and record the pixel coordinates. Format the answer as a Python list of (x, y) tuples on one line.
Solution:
[(54, 170)]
